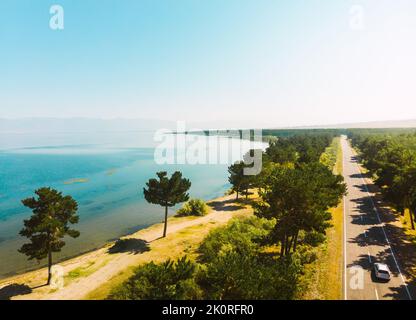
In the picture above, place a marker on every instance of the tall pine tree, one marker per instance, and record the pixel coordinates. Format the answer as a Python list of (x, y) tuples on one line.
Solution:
[(49, 224), (167, 192)]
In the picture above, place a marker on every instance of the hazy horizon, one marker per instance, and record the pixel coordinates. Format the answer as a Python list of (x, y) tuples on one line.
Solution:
[(238, 63), (81, 124)]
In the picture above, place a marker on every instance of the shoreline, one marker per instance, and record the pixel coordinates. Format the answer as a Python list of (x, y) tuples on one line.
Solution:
[(76, 255), (102, 261), (103, 246), (59, 258)]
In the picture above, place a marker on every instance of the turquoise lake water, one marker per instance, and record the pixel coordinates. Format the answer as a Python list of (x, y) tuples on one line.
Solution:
[(105, 173)]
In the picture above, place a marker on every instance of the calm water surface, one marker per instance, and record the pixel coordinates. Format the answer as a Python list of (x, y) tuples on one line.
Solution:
[(104, 172)]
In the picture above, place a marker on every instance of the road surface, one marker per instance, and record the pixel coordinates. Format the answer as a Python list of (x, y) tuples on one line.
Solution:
[(366, 240)]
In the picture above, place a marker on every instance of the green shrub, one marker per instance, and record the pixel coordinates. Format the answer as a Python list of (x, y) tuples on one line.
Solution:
[(239, 235), (235, 275), (314, 238), (235, 267), (307, 254), (168, 280), (194, 207)]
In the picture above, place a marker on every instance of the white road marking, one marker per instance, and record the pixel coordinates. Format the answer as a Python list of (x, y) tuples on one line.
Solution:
[(375, 290), (384, 232)]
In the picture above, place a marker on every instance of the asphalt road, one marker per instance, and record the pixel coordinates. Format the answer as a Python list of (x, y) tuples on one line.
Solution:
[(366, 241)]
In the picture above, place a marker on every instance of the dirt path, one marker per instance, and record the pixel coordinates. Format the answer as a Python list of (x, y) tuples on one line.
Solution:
[(101, 265)]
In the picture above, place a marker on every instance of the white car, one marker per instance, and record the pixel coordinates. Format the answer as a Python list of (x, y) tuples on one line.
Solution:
[(382, 271)]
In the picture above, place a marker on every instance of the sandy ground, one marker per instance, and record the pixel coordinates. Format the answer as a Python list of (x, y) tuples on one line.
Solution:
[(105, 264)]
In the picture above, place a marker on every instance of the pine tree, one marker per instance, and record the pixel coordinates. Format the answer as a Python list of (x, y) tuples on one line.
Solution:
[(49, 224), (167, 192), (237, 178)]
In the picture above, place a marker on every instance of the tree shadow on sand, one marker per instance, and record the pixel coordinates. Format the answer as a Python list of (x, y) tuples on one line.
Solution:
[(226, 205), (134, 246), (7, 292)]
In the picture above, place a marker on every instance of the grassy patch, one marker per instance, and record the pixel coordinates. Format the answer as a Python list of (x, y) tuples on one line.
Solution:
[(80, 271), (84, 271), (325, 279)]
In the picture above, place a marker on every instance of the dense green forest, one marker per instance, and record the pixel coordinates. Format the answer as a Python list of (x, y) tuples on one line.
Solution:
[(390, 158), (264, 256)]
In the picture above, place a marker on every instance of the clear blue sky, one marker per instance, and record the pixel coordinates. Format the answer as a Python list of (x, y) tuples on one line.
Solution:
[(257, 62)]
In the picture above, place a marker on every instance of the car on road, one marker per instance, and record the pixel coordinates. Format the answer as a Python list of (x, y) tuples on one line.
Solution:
[(382, 271)]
